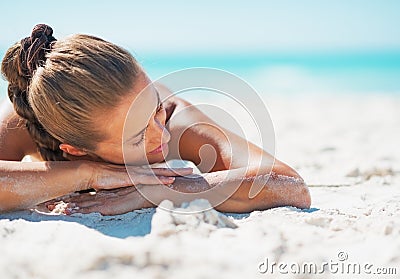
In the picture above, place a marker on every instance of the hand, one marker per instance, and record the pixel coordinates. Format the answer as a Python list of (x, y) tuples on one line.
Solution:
[(107, 176), (107, 202), (115, 194)]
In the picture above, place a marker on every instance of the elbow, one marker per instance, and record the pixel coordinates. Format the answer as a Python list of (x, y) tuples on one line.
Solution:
[(302, 197), (295, 190), (9, 202), (5, 207), (283, 191), (277, 191), (289, 189)]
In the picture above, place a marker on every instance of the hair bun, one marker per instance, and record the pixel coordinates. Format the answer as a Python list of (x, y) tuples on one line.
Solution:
[(34, 48), (41, 30)]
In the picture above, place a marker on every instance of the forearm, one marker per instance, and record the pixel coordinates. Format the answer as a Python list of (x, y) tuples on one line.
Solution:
[(274, 190), (227, 191), (230, 192), (25, 184)]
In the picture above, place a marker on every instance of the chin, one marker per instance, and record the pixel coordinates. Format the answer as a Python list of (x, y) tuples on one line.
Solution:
[(157, 158), (151, 159), (155, 161), (115, 161)]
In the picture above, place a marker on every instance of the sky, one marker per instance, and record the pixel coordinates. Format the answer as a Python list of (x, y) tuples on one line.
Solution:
[(177, 26)]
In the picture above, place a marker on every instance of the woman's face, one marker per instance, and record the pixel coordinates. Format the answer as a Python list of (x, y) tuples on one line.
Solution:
[(135, 128)]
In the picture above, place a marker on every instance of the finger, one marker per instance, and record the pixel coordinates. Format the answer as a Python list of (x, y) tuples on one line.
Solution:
[(108, 194), (66, 197), (81, 198), (114, 192), (160, 171), (121, 191), (104, 209), (152, 179), (87, 210), (85, 207), (172, 172), (88, 203)]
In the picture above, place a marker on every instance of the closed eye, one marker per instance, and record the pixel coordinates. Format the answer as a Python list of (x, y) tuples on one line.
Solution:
[(141, 137), (159, 108)]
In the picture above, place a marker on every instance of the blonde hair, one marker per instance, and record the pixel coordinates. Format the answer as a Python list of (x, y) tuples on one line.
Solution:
[(60, 86)]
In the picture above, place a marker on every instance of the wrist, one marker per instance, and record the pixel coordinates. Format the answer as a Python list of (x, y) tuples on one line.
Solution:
[(86, 174)]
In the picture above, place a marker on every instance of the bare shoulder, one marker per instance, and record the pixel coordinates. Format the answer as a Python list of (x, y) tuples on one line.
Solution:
[(173, 105), (167, 95), (15, 141), (191, 129)]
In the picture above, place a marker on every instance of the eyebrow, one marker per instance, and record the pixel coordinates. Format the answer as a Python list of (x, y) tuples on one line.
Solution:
[(144, 129)]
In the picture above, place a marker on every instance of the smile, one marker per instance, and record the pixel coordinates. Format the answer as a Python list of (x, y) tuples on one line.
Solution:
[(159, 149)]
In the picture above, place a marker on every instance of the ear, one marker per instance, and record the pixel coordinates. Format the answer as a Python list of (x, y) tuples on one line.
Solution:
[(72, 150)]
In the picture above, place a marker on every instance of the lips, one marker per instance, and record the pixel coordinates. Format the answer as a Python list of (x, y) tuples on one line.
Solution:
[(158, 149)]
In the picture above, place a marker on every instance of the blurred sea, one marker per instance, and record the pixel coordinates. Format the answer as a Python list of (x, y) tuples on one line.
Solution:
[(289, 73)]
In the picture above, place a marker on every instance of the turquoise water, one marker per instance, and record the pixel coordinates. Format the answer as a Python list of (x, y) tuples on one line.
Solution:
[(289, 73)]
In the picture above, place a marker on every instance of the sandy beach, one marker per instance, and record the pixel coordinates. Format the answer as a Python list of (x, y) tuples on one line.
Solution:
[(346, 149)]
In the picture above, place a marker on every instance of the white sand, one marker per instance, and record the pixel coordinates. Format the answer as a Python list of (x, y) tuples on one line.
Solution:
[(347, 150)]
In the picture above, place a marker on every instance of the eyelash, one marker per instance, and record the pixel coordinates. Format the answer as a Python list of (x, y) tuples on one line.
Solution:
[(141, 138), (159, 108)]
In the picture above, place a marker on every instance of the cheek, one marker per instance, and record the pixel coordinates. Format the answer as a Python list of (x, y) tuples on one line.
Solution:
[(112, 155), (134, 154), (109, 152)]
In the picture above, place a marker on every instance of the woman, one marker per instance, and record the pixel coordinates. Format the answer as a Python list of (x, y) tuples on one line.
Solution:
[(69, 100)]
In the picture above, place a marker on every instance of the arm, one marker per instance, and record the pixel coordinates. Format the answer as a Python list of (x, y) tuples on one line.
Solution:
[(243, 162), (25, 184), (279, 190), (237, 170), (233, 194)]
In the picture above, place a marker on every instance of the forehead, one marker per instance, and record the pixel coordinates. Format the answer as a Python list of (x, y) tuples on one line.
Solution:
[(134, 110)]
